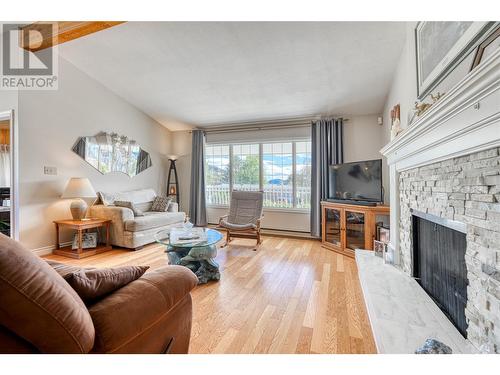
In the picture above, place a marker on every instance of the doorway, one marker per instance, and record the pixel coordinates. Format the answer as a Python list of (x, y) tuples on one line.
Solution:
[(8, 176)]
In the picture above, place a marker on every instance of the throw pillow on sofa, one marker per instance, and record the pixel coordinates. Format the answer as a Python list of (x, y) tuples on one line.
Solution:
[(130, 205), (160, 204), (92, 284)]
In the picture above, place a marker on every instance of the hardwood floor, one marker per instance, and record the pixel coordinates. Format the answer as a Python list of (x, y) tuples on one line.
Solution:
[(291, 296)]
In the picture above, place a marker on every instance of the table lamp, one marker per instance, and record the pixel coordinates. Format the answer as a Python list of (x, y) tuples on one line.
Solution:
[(78, 188)]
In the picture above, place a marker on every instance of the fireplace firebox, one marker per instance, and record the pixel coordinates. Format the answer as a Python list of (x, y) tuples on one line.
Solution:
[(439, 264)]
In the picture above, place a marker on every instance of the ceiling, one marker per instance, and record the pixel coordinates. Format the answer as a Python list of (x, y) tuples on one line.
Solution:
[(212, 73)]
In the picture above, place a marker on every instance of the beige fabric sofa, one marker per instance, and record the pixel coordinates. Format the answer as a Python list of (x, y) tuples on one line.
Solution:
[(134, 232)]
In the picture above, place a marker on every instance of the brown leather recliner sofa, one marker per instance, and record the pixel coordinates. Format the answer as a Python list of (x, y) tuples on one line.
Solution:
[(41, 313)]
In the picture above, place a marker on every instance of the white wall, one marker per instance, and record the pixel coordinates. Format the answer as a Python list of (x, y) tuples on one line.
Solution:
[(404, 87), (181, 146), (50, 123), (8, 100), (363, 139)]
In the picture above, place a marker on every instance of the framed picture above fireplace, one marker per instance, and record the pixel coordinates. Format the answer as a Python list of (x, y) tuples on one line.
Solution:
[(440, 47), (486, 48)]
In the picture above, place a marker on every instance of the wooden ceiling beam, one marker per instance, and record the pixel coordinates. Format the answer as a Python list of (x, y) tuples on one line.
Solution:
[(37, 36)]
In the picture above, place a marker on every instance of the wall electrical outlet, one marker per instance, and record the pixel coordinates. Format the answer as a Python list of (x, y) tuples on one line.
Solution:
[(50, 170)]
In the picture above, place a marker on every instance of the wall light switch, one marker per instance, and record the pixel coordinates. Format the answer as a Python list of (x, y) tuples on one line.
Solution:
[(50, 170)]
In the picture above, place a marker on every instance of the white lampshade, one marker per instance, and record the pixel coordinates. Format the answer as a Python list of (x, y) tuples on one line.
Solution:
[(79, 187)]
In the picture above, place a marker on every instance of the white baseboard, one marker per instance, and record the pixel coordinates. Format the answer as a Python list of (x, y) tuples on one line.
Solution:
[(287, 233), (47, 250), (279, 232)]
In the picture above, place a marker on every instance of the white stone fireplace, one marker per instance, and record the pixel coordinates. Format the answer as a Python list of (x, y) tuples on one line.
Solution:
[(447, 164)]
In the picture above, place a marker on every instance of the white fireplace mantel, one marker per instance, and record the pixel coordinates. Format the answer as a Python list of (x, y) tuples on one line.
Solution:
[(464, 121)]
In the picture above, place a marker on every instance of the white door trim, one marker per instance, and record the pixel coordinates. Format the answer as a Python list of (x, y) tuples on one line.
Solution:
[(14, 175)]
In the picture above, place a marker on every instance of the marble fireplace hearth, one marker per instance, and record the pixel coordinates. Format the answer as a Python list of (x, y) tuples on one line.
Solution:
[(402, 315)]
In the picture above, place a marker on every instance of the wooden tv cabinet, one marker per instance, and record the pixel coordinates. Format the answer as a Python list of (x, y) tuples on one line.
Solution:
[(346, 227)]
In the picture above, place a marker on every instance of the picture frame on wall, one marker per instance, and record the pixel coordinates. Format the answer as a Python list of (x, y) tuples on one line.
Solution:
[(379, 248), (441, 46), (89, 241), (487, 47), (384, 234)]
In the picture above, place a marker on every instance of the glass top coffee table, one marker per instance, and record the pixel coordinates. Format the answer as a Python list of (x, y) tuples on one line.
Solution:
[(194, 248)]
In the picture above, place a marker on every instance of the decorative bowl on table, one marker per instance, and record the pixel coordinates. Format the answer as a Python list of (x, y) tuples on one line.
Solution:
[(188, 226)]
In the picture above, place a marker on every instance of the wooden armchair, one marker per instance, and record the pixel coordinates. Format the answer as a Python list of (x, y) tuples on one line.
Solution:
[(245, 214)]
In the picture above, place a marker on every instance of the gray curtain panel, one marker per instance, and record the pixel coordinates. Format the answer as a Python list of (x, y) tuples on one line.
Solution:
[(197, 206), (327, 148)]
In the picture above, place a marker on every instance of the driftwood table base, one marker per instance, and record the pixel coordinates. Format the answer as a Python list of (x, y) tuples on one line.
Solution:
[(198, 259)]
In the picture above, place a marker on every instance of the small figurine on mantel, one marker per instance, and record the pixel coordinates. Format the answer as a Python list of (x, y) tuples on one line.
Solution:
[(395, 121), (422, 107), (437, 97)]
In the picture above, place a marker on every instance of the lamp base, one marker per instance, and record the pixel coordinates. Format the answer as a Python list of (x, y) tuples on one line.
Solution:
[(78, 209)]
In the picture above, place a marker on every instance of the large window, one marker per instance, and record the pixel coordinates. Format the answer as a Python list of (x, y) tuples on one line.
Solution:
[(217, 174), (281, 169), (277, 160), (245, 167), (303, 174)]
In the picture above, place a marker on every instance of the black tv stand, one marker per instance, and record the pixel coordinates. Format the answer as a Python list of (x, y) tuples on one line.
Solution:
[(353, 201)]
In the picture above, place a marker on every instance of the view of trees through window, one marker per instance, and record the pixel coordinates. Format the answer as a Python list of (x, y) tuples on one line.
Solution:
[(245, 167), (282, 170)]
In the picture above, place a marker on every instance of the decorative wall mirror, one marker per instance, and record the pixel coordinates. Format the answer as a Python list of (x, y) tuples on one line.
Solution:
[(110, 152)]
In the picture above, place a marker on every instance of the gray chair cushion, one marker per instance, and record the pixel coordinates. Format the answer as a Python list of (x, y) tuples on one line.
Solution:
[(245, 207), (236, 227), (153, 220)]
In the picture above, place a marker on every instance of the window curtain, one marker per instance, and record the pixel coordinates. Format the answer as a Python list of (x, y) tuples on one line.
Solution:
[(197, 206), (326, 149), (4, 166)]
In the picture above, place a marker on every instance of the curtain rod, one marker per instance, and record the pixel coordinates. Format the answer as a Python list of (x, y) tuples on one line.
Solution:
[(257, 126)]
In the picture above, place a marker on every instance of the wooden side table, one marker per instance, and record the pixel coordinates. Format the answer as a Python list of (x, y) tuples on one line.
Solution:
[(82, 226)]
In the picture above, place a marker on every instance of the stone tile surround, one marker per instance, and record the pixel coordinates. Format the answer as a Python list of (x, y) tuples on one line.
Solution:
[(465, 189)]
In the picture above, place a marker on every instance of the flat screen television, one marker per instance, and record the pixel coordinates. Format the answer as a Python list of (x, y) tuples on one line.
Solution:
[(358, 181)]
